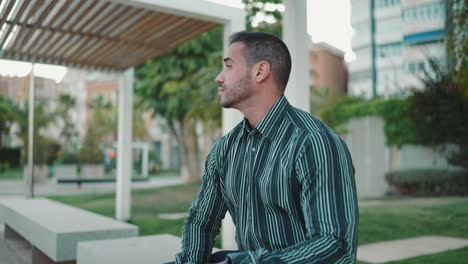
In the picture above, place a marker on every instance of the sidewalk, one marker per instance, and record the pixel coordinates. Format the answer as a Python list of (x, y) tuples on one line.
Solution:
[(19, 188)]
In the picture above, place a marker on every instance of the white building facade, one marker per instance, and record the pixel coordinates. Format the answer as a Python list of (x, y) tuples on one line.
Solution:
[(393, 41)]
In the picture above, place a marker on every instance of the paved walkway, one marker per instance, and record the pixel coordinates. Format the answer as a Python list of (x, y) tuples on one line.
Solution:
[(386, 251), (19, 188)]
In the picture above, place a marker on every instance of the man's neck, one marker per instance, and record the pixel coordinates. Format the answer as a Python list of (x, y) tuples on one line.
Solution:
[(255, 112)]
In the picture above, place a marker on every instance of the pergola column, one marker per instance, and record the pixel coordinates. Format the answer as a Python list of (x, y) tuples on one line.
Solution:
[(231, 118), (31, 139), (296, 38), (124, 147)]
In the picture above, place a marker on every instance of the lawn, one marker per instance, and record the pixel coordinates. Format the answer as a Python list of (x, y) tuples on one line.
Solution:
[(398, 219), (13, 173)]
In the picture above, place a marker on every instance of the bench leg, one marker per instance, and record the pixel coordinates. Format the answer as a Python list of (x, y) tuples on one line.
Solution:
[(10, 234), (38, 257)]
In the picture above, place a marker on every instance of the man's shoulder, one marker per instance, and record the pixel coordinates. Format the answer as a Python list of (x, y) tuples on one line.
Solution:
[(306, 122)]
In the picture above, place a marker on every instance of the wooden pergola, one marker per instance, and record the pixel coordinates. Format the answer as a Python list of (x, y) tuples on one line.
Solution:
[(92, 34)]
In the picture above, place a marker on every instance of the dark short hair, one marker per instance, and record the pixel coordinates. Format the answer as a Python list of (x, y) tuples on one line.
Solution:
[(266, 47)]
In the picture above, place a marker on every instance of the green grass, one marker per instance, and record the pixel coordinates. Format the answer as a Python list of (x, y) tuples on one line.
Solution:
[(396, 218), (10, 174), (145, 203), (396, 222)]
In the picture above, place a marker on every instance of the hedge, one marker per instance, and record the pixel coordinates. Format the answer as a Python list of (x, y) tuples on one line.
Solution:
[(10, 156), (428, 182)]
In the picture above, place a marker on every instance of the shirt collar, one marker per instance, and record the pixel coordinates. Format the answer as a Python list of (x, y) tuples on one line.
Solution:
[(270, 123)]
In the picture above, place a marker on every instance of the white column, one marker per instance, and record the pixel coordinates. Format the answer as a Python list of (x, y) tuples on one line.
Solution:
[(296, 38), (30, 168), (124, 147), (144, 160), (231, 118)]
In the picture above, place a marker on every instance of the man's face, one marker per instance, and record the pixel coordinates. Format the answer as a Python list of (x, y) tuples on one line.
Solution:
[(235, 84)]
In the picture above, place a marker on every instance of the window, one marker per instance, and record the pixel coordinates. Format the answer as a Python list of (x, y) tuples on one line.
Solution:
[(389, 50), (389, 25), (424, 13), (360, 75), (362, 52), (386, 3)]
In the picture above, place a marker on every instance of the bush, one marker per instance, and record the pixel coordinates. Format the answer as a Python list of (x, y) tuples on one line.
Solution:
[(428, 182), (67, 158), (10, 156), (44, 151), (90, 152)]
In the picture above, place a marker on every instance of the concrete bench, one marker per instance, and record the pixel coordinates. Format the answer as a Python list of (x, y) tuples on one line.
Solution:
[(136, 250), (54, 229)]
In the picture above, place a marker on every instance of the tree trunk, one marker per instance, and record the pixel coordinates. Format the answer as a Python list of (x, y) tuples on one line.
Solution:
[(187, 139)]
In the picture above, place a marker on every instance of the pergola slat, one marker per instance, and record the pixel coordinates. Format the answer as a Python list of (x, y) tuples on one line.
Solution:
[(37, 23), (47, 44), (130, 34), (62, 43), (10, 27), (45, 31), (19, 35), (6, 14), (70, 44), (91, 44)]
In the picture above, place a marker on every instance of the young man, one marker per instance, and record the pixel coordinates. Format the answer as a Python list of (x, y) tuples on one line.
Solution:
[(286, 179)]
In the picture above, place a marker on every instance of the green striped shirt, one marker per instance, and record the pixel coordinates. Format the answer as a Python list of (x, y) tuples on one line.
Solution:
[(289, 187)]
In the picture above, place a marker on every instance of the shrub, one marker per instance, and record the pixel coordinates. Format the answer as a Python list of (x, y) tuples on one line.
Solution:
[(10, 156), (90, 152), (67, 158), (428, 182), (44, 151)]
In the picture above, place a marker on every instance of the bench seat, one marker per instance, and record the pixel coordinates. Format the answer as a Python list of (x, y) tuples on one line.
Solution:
[(54, 229), (135, 250)]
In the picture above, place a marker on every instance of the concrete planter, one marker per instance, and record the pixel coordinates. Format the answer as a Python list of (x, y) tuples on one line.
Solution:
[(40, 174), (66, 171), (92, 171)]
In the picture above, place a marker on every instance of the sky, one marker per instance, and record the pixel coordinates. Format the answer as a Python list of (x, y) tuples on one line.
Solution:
[(334, 14)]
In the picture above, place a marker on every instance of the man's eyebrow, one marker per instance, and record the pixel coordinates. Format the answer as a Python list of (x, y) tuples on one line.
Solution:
[(227, 59)]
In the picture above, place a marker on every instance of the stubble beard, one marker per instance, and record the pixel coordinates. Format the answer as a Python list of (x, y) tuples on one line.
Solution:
[(237, 93)]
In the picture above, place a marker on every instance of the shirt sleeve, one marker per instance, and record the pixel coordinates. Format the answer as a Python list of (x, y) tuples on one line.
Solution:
[(328, 202), (205, 215)]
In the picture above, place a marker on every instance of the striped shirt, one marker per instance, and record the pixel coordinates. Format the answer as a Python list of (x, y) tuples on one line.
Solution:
[(289, 187)]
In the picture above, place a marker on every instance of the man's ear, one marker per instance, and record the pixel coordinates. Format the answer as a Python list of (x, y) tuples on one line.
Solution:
[(261, 71)]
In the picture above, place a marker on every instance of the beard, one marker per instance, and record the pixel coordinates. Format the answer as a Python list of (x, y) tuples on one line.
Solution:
[(236, 93)]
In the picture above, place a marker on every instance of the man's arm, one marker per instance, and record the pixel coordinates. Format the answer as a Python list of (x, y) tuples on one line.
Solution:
[(328, 202), (205, 215)]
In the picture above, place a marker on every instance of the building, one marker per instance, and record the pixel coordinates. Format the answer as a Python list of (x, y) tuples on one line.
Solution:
[(393, 41), (328, 68)]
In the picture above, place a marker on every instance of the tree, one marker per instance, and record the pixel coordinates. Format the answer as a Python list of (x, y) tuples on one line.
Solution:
[(440, 112), (457, 40), (7, 114), (66, 103), (175, 87), (104, 119), (43, 117), (267, 8)]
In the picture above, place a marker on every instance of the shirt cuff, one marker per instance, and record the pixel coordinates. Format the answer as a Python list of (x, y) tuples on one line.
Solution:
[(242, 257)]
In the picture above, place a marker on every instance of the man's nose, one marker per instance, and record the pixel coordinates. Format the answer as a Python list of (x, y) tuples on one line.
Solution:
[(219, 78)]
